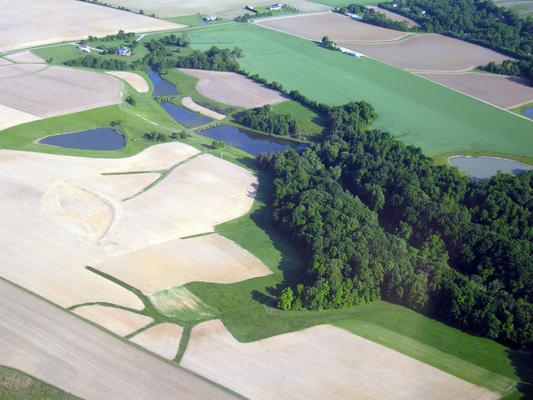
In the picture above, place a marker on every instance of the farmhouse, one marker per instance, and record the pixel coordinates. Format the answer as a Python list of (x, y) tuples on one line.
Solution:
[(85, 48), (276, 7), (124, 51), (354, 16), (209, 18)]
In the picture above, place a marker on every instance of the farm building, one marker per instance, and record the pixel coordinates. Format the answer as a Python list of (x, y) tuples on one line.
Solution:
[(251, 8), (124, 51), (276, 7), (356, 17), (210, 18), (350, 52), (85, 48)]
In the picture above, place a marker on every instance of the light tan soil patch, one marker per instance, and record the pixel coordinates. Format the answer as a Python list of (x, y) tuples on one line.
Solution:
[(226, 8), (322, 362), (60, 214), (180, 302), (162, 339), (116, 320), (233, 89), (15, 70), (135, 80), (394, 16), (24, 57), (502, 91), (71, 354), (208, 258), (429, 52), (50, 21), (189, 103), (337, 27), (56, 90), (11, 117)]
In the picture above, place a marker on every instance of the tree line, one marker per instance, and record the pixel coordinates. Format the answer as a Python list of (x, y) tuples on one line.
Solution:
[(374, 17), (377, 219), (266, 120)]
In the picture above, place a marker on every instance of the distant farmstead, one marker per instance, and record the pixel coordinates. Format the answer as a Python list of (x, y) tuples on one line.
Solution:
[(85, 48), (210, 18), (124, 51), (276, 7)]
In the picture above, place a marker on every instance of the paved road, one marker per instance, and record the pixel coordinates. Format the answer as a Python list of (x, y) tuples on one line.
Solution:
[(59, 348)]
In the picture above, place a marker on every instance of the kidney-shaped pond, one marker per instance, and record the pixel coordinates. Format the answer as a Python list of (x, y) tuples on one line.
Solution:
[(162, 86), (250, 142), (91, 139), (185, 117), (485, 167)]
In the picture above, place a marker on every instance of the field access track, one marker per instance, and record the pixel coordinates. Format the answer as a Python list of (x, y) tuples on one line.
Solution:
[(62, 350)]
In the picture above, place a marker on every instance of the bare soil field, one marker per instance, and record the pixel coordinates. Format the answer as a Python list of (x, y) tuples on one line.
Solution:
[(502, 91), (189, 103), (322, 362), (55, 90), (4, 61), (162, 339), (25, 57), (121, 322), (429, 52), (28, 26), (60, 214), (226, 8), (338, 27), (71, 354), (233, 89), (12, 117), (135, 80), (394, 16), (208, 258)]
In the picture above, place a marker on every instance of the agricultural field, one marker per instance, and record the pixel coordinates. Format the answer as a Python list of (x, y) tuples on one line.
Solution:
[(233, 89), (307, 364), (162, 339), (422, 113), (34, 91), (394, 16), (136, 81), (522, 7), (24, 26), (226, 9)]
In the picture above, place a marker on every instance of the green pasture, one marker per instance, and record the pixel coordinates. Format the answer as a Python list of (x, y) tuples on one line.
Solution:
[(309, 122), (418, 111)]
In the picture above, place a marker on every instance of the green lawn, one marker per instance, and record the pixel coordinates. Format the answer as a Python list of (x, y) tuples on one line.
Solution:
[(16, 385), (422, 113), (60, 53), (309, 122)]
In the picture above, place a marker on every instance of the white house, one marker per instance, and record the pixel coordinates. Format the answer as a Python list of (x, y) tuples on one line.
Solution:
[(276, 7), (85, 48), (210, 18), (124, 51)]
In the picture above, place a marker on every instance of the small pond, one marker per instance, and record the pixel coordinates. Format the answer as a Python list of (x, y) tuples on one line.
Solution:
[(92, 139), (185, 117), (250, 142), (528, 112), (162, 87), (485, 167)]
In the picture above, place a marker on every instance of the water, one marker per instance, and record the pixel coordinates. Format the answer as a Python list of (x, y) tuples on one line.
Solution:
[(162, 87), (92, 139), (250, 142), (528, 112), (185, 117), (484, 167)]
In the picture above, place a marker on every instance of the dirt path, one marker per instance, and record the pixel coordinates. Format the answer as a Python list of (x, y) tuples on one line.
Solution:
[(61, 349)]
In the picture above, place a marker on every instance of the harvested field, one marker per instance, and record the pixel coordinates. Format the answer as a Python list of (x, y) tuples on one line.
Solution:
[(49, 91), (394, 16), (12, 117), (226, 8), (429, 52), (318, 363), (162, 339), (61, 214), (24, 26), (24, 57), (189, 103), (61, 349), (338, 27), (208, 258), (233, 89), (502, 91), (135, 80), (116, 320)]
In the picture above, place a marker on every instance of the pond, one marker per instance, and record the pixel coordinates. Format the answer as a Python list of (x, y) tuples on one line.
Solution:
[(91, 139), (185, 117), (250, 142), (528, 112), (484, 167), (162, 86)]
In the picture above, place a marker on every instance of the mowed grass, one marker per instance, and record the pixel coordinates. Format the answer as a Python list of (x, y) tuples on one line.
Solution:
[(248, 311), (308, 121), (16, 385), (418, 111)]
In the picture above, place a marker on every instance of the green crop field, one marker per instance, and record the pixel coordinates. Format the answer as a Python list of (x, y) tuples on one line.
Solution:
[(420, 112)]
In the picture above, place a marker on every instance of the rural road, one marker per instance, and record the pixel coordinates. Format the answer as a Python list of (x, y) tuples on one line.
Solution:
[(61, 349)]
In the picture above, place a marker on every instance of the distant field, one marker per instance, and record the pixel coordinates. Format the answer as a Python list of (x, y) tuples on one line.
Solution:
[(422, 113), (523, 7)]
